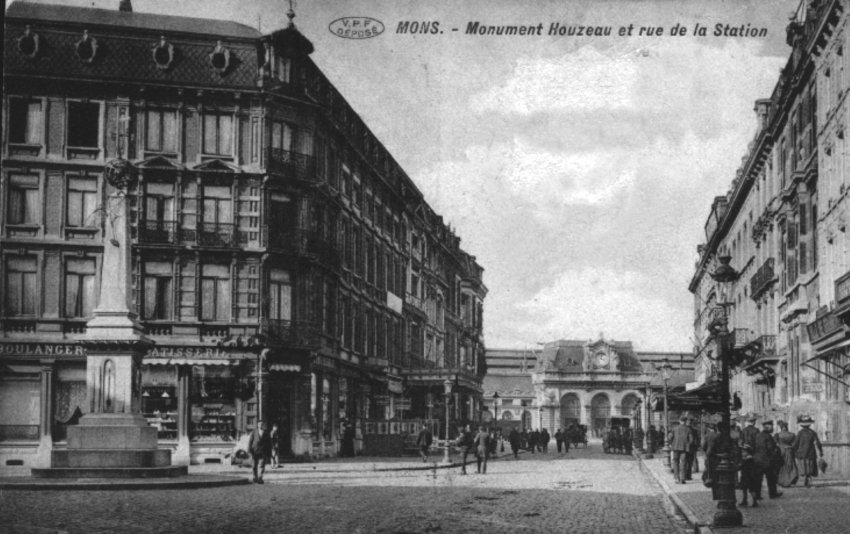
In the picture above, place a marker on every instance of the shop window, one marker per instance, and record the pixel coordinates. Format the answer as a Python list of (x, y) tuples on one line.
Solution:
[(161, 131), (215, 291), (158, 291), (25, 121), (20, 404), (24, 200), (218, 134), (159, 399), (21, 288), (83, 124), (79, 287), (82, 202), (213, 403)]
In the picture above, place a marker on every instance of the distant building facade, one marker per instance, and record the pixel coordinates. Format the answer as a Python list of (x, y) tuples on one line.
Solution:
[(286, 266), (576, 382)]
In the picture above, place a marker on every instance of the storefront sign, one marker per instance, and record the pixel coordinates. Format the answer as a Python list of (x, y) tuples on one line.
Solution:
[(812, 387), (41, 349), (211, 353)]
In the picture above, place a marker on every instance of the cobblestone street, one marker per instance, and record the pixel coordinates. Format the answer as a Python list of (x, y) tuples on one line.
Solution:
[(582, 492)]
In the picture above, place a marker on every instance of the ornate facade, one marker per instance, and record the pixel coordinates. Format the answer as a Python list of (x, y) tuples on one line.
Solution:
[(284, 264)]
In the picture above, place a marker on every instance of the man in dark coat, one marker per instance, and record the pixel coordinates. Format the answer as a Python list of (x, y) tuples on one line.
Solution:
[(692, 452), (764, 457), (260, 447), (680, 445), (482, 449), (532, 440), (559, 439), (806, 448), (749, 433), (514, 440), (544, 440), (423, 441), (466, 442)]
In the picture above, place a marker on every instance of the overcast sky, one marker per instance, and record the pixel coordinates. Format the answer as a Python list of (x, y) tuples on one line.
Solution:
[(578, 170)]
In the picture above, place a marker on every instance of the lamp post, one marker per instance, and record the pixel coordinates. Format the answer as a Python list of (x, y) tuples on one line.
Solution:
[(447, 391), (666, 373), (723, 491), (495, 409)]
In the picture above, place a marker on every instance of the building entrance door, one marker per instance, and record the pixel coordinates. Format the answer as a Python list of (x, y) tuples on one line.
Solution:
[(281, 411), (600, 409)]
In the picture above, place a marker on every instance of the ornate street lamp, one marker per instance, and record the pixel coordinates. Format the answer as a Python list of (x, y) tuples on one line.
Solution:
[(723, 491), (447, 391), (666, 374)]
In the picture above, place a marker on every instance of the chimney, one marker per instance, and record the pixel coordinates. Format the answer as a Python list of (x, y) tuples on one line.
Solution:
[(125, 6)]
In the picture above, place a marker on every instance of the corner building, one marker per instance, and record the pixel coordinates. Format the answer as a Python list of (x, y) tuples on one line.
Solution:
[(284, 264)]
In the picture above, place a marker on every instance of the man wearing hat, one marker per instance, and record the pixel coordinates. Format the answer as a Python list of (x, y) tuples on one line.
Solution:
[(749, 433), (765, 453), (692, 465), (806, 449), (681, 444)]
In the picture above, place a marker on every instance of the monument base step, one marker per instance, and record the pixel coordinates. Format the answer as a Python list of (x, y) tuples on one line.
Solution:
[(110, 458), (111, 472)]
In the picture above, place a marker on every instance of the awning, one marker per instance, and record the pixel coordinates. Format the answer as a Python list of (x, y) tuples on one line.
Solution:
[(703, 398), (837, 361), (285, 367), (188, 361)]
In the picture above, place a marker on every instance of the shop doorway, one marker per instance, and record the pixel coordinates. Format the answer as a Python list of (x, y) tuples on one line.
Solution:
[(281, 411)]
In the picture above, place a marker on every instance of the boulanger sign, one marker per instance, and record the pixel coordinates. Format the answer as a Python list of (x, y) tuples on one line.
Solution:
[(41, 349)]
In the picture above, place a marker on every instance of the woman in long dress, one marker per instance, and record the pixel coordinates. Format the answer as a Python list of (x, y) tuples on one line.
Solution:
[(806, 448), (788, 471)]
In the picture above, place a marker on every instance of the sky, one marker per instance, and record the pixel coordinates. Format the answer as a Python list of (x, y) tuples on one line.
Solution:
[(579, 170)]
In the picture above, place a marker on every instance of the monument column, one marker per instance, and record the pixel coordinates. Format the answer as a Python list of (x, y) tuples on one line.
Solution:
[(113, 439)]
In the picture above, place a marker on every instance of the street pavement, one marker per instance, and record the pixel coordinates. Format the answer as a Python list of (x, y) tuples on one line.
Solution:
[(822, 509), (584, 491)]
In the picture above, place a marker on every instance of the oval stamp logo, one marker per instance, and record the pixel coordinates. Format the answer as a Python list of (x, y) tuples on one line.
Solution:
[(356, 27)]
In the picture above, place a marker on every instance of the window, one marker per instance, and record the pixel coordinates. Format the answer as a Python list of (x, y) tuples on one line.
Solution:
[(161, 131), (218, 205), (215, 291), (23, 200), (25, 122), (21, 289), (158, 294), (283, 69), (79, 287), (218, 134), (159, 202), (283, 136), (280, 295), (83, 124), (82, 201)]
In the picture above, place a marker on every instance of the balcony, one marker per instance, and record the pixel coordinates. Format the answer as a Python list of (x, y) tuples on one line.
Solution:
[(217, 235), (304, 243), (289, 163), (762, 279), (158, 232), (760, 356), (292, 333), (842, 295)]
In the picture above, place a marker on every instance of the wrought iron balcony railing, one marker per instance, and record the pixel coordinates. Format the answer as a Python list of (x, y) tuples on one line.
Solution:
[(158, 232), (296, 333), (762, 279), (294, 164), (217, 235)]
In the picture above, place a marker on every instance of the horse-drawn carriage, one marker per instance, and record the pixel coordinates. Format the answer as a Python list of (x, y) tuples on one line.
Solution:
[(577, 435)]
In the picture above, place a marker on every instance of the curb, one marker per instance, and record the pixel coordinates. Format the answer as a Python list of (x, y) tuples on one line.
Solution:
[(684, 509), (187, 482)]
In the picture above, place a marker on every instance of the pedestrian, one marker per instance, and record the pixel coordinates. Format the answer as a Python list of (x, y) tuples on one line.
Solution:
[(559, 440), (493, 442), (788, 470), (806, 449), (260, 447), (523, 439), (514, 440), (423, 441), (482, 449), (680, 445), (749, 433), (466, 442), (544, 440), (750, 481), (275, 437), (532, 440), (765, 455), (692, 450), (628, 439), (651, 439)]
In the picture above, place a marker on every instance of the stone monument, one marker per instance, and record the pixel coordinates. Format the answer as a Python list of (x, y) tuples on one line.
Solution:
[(113, 439)]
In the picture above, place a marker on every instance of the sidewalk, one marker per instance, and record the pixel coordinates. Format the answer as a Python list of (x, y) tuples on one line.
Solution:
[(822, 509)]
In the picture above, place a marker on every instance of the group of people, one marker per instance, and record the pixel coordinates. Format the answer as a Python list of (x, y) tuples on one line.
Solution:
[(684, 444), (779, 458), (618, 439)]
